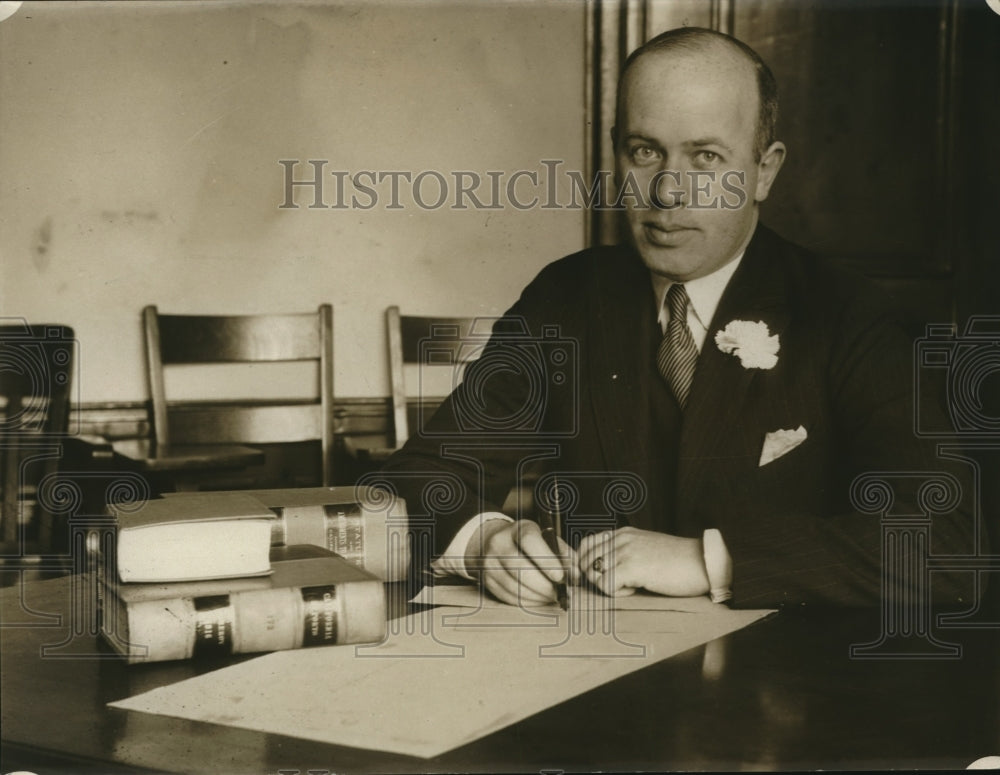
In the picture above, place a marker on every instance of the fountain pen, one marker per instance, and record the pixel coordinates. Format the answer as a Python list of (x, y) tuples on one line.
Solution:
[(551, 529)]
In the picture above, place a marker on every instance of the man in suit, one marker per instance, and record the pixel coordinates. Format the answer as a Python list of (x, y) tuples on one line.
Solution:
[(741, 383)]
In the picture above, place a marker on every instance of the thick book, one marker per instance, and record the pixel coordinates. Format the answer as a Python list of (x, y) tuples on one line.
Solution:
[(363, 526), (312, 598), (199, 536)]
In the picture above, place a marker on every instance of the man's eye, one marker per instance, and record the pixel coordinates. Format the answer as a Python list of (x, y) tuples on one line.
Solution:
[(644, 153), (708, 157)]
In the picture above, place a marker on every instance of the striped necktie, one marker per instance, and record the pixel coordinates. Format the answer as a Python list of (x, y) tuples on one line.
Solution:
[(677, 355)]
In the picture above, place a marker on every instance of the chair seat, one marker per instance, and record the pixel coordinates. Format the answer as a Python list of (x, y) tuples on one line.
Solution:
[(369, 448), (199, 443), (145, 455)]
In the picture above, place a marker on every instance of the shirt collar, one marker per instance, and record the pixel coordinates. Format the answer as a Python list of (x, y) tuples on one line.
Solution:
[(704, 292)]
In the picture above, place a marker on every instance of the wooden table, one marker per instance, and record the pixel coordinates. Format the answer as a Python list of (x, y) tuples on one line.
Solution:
[(780, 694)]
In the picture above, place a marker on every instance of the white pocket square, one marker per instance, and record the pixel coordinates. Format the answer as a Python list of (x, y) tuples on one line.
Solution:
[(778, 443)]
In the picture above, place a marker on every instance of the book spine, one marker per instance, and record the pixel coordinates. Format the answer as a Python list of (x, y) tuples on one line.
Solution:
[(365, 539), (339, 528), (252, 621)]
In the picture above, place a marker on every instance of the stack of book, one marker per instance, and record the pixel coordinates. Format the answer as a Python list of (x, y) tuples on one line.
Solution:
[(197, 575)]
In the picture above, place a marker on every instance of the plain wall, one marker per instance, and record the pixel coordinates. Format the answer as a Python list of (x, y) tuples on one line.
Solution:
[(139, 164)]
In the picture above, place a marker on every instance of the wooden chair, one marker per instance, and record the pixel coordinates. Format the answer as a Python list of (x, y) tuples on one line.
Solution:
[(456, 342), (193, 439), (36, 375)]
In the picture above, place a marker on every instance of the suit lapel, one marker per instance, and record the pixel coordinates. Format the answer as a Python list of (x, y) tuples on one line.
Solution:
[(621, 297), (756, 292)]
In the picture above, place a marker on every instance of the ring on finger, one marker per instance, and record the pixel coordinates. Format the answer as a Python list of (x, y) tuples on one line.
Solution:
[(598, 565)]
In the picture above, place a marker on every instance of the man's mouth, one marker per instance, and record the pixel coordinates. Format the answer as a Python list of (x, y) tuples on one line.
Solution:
[(666, 235)]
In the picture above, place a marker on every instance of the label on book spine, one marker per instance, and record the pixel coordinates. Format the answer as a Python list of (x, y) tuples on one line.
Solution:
[(339, 527), (213, 626), (320, 606), (279, 528), (345, 532)]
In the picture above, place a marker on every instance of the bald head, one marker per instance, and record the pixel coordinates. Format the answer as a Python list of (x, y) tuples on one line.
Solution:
[(700, 47)]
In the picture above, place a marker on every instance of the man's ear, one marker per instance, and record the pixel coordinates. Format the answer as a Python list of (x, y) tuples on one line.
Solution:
[(767, 170)]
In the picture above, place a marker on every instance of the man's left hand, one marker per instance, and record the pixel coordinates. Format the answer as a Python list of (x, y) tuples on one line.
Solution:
[(620, 561)]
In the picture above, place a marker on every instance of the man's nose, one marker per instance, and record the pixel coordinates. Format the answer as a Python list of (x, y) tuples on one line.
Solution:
[(670, 189)]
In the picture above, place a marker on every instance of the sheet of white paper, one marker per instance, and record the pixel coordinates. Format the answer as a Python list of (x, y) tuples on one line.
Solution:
[(430, 687), (472, 596)]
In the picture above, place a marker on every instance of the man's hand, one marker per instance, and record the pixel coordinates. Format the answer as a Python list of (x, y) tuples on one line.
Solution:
[(515, 565), (624, 560)]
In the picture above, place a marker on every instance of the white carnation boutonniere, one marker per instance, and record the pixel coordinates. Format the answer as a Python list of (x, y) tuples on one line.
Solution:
[(751, 342)]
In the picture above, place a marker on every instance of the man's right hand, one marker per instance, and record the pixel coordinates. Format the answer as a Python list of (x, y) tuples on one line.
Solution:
[(514, 564)]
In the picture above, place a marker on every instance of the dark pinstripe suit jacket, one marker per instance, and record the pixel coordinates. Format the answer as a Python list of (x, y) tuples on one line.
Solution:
[(844, 372)]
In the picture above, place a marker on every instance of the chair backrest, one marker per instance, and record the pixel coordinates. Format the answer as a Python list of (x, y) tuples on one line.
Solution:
[(428, 341), (37, 363), (214, 339)]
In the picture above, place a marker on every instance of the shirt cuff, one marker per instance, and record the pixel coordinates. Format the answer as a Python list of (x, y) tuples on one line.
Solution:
[(718, 566), (452, 562)]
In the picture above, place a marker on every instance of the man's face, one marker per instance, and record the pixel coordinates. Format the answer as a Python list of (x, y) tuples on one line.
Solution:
[(686, 139)]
